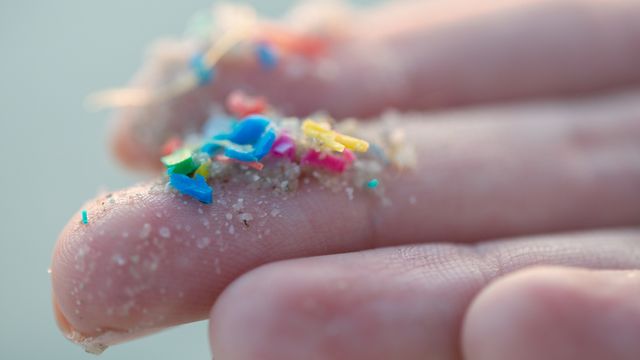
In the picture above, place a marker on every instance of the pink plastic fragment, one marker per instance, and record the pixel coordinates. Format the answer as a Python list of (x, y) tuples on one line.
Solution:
[(335, 163), (171, 145), (284, 147)]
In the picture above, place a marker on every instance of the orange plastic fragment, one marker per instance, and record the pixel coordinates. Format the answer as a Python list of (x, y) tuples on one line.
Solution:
[(227, 160)]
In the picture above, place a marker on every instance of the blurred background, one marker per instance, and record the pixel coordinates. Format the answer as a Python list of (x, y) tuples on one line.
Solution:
[(52, 54)]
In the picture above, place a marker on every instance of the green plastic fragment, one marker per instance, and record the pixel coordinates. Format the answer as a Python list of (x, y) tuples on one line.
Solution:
[(373, 183), (85, 218), (180, 162)]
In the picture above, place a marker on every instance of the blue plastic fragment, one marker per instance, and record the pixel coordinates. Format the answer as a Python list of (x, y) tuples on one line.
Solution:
[(204, 74), (254, 131), (210, 148), (196, 187), (249, 130), (262, 147), (267, 56)]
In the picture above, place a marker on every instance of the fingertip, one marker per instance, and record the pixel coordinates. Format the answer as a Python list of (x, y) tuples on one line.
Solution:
[(129, 151), (111, 277), (554, 313)]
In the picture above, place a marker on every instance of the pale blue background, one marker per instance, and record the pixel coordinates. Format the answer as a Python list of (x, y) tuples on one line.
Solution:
[(53, 153)]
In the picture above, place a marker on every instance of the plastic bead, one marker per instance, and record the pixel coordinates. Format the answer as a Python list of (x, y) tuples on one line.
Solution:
[(336, 163), (180, 162), (241, 105), (196, 187), (204, 74), (267, 56), (284, 147)]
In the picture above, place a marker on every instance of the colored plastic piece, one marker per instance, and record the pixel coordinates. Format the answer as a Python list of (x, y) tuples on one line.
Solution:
[(284, 147), (250, 140), (203, 169), (196, 187), (332, 140), (249, 130), (322, 133), (267, 56), (227, 160), (210, 148), (241, 105), (262, 147), (217, 124), (373, 183), (379, 153), (173, 143), (352, 143), (336, 163), (85, 217), (203, 73), (180, 162)]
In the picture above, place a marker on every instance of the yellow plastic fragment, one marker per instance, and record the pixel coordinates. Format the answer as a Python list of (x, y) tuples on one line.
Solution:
[(331, 139), (203, 169), (352, 143)]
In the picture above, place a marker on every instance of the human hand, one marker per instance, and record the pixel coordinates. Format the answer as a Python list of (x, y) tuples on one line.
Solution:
[(552, 181)]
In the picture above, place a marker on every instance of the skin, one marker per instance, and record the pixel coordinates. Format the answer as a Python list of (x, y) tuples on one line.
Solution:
[(513, 238)]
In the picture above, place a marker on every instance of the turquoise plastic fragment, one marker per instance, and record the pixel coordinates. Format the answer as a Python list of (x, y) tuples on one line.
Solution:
[(196, 187), (373, 183), (210, 148), (218, 124), (180, 162), (85, 217), (267, 56), (240, 155), (204, 74)]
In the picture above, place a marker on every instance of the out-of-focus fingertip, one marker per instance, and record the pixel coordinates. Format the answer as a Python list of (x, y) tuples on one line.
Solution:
[(555, 313), (129, 151)]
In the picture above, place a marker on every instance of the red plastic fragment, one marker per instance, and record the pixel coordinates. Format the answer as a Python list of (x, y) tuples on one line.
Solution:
[(172, 144), (284, 147), (241, 105), (336, 163)]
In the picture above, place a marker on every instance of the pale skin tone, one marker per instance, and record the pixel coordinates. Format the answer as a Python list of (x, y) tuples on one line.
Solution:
[(514, 238)]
